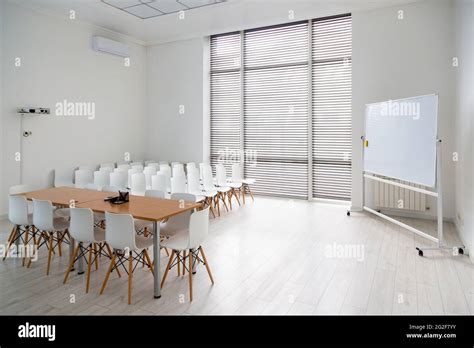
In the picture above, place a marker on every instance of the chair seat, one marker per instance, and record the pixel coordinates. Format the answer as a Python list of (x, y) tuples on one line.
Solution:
[(143, 242), (223, 189), (60, 223), (235, 185), (179, 241), (99, 236)]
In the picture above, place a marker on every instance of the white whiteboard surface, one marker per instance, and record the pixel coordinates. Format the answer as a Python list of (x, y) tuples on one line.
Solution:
[(402, 137)]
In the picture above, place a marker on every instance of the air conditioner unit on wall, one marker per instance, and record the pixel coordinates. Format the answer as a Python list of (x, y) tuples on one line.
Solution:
[(102, 44)]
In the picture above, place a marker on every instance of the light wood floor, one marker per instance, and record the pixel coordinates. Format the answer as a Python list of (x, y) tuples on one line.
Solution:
[(269, 257)]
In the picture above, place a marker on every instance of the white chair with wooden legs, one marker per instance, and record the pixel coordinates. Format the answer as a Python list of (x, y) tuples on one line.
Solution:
[(22, 223), (90, 241), (53, 230), (206, 197), (223, 186), (178, 184), (149, 172), (119, 179), (236, 181), (208, 186), (138, 187), (143, 226), (83, 177), (127, 247), (189, 243), (159, 182)]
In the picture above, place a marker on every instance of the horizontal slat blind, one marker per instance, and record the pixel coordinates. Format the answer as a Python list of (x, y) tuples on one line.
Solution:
[(276, 109), (331, 107), (225, 98)]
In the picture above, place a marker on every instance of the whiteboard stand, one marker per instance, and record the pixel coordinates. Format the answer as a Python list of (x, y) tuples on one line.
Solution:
[(438, 194)]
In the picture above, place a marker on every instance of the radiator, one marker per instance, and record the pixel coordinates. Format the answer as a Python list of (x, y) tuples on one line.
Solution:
[(389, 196)]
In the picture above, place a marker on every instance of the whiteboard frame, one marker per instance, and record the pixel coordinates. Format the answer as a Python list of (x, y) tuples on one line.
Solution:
[(437, 137)]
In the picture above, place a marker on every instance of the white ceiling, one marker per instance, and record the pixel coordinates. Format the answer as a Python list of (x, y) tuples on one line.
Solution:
[(222, 17)]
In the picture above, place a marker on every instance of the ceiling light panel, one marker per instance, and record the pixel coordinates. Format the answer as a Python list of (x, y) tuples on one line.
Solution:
[(167, 6), (122, 3), (143, 11)]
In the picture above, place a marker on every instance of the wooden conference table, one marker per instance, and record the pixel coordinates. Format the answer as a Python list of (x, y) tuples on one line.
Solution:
[(143, 208)]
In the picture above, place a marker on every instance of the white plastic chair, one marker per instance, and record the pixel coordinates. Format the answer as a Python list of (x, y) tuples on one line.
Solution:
[(138, 167), (208, 185), (224, 187), (166, 170), (188, 242), (118, 179), (138, 187), (91, 168), (124, 166), (53, 229), (83, 177), (101, 179), (178, 171), (132, 171), (159, 182), (149, 172), (63, 177), (90, 241), (142, 226), (178, 184), (149, 162), (121, 236), (22, 222)]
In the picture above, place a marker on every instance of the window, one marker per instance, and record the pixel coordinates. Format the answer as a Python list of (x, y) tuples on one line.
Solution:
[(281, 104)]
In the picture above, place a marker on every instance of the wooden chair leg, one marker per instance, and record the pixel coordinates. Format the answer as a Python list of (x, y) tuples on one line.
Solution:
[(35, 248), (130, 276), (184, 262), (50, 252), (96, 256), (167, 268), (235, 193), (27, 239), (242, 192), (190, 276), (229, 198), (60, 240), (179, 263), (206, 264), (104, 284), (91, 249), (11, 240), (110, 253), (12, 232), (71, 264), (148, 260)]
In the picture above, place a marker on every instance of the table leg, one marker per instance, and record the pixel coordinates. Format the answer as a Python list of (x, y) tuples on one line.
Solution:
[(71, 250), (80, 263), (156, 258)]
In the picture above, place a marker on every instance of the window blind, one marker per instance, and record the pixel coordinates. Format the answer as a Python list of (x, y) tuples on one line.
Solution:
[(331, 107), (276, 109), (262, 88), (225, 98)]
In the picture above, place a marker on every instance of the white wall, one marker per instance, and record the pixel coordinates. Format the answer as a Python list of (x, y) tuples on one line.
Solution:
[(395, 58), (175, 78), (464, 126), (57, 63)]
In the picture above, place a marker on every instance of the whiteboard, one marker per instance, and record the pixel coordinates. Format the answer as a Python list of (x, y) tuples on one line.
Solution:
[(402, 137)]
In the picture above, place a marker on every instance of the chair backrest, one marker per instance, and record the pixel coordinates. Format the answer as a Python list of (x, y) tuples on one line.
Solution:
[(101, 179), (165, 166), (201, 170), (132, 171), (150, 162), (190, 165), (83, 177), (154, 165), (181, 221), (193, 182), (81, 225), (107, 170), (63, 177), (13, 190), (125, 167), (178, 184), (207, 181), (18, 210), (221, 175), (155, 193), (120, 231), (107, 165), (198, 228), (136, 163), (236, 173), (178, 171), (175, 163), (149, 172), (138, 184), (158, 182), (43, 215), (138, 167), (118, 179)]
